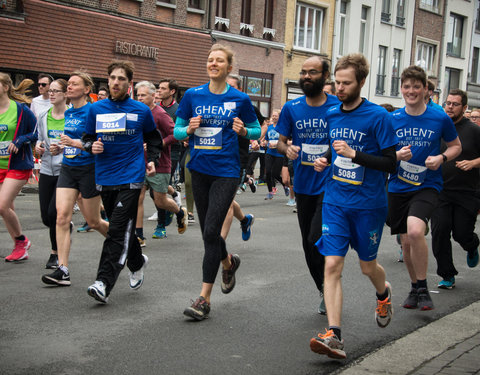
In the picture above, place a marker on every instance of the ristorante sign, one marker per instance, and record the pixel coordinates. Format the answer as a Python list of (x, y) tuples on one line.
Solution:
[(136, 49)]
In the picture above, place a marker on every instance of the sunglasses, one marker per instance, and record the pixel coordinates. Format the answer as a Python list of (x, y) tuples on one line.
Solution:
[(43, 84)]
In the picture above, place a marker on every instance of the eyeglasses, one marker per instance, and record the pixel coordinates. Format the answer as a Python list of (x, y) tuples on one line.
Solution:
[(454, 104), (53, 91), (311, 73), (475, 117), (43, 84)]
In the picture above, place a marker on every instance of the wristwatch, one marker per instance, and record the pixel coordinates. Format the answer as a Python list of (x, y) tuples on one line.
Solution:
[(445, 159)]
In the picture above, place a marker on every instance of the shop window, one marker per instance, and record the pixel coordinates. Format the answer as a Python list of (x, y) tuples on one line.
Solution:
[(258, 86)]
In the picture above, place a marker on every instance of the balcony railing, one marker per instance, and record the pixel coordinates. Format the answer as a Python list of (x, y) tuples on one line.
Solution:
[(380, 88), (394, 91)]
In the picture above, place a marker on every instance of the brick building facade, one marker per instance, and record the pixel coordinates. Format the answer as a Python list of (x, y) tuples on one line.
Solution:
[(59, 37), (427, 40), (162, 38)]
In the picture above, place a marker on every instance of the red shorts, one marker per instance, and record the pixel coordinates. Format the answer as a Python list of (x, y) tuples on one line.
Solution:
[(14, 174)]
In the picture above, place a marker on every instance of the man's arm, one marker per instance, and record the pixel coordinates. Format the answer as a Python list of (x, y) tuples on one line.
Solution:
[(387, 162)]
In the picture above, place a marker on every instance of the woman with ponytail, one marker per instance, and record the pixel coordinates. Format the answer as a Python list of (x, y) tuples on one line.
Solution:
[(17, 134), (51, 123)]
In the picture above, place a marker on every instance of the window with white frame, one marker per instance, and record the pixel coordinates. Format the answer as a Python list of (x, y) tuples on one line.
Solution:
[(246, 27), (308, 27), (222, 22), (196, 4), (477, 21), (474, 69), (382, 56), (385, 16), (431, 5), (400, 19), (363, 30), (394, 88), (454, 36), (452, 79), (343, 21), (425, 57)]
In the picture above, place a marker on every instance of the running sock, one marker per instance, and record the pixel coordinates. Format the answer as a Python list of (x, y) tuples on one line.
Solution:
[(414, 286), (384, 296), (20, 238), (139, 232), (422, 284), (174, 195), (180, 215), (244, 220), (337, 331), (64, 269)]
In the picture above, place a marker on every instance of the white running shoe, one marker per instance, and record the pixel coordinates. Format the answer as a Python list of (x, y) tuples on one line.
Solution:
[(137, 277), (154, 217), (97, 291)]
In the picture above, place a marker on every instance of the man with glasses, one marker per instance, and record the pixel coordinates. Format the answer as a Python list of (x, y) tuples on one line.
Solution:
[(475, 116), (42, 103), (303, 120), (413, 190), (102, 93), (458, 202)]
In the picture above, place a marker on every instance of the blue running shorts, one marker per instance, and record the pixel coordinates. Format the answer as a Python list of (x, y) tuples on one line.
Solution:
[(360, 228)]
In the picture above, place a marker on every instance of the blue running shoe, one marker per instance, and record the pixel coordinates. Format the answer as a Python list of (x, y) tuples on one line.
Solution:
[(247, 227), (84, 228), (473, 260), (447, 283), (160, 232)]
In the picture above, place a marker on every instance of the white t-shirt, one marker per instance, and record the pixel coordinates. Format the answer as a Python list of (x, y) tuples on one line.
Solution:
[(40, 105)]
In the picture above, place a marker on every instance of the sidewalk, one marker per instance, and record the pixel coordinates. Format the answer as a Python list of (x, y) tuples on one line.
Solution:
[(450, 345)]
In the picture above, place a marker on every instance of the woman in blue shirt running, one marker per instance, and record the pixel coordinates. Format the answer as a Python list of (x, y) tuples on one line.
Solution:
[(212, 116)]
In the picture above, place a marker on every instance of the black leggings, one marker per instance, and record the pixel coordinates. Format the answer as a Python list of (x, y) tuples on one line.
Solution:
[(47, 195), (213, 196), (273, 167), (252, 161), (309, 210)]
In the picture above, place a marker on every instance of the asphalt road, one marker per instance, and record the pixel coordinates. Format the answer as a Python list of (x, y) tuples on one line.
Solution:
[(262, 327)]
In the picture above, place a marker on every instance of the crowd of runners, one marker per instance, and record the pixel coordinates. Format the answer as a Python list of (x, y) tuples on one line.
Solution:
[(348, 167)]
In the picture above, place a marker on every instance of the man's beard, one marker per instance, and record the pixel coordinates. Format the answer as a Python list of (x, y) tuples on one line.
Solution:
[(456, 118), (314, 89), (351, 97)]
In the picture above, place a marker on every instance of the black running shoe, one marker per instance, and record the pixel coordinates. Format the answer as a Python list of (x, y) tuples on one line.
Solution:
[(424, 300), (57, 277), (199, 309), (52, 262), (228, 276), (412, 300), (251, 184)]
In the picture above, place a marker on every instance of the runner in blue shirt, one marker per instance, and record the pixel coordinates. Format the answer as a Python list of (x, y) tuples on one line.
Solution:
[(303, 120), (77, 176), (413, 190), (212, 116), (115, 131), (355, 206), (273, 159)]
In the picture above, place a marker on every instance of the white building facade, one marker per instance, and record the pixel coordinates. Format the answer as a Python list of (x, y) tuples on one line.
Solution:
[(382, 31)]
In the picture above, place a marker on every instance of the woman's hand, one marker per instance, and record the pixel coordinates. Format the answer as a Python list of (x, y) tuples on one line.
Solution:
[(194, 124)]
